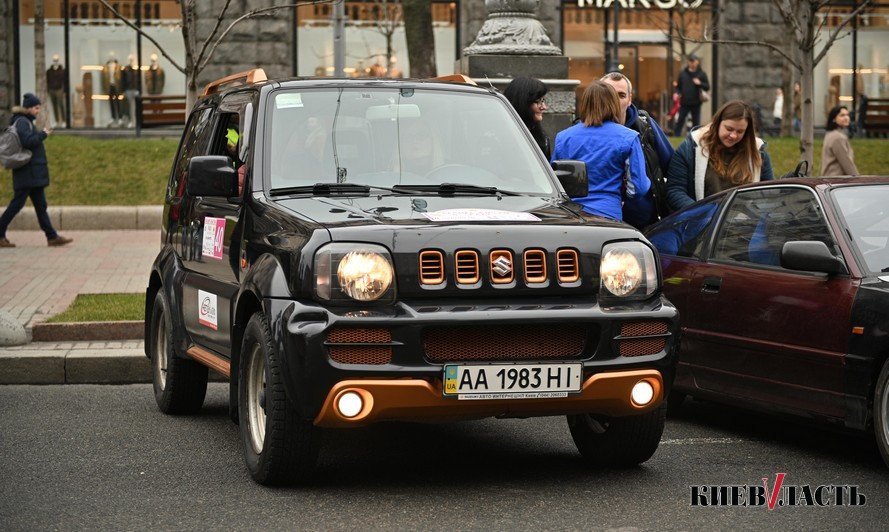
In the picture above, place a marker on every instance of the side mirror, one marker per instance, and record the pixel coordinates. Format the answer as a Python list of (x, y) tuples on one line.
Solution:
[(811, 256), (212, 175), (572, 176)]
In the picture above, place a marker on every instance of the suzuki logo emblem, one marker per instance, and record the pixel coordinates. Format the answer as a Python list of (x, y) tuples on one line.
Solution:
[(502, 266)]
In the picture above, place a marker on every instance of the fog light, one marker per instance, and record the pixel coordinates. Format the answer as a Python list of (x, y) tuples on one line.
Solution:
[(350, 404), (643, 393)]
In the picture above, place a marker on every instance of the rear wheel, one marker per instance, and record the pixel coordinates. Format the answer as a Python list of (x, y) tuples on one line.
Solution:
[(279, 446), (620, 441), (881, 412), (179, 385)]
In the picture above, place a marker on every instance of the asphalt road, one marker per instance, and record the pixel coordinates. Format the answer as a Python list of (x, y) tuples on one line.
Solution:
[(103, 457)]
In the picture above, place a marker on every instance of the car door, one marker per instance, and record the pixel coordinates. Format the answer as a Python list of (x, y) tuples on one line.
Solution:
[(762, 332), (213, 269)]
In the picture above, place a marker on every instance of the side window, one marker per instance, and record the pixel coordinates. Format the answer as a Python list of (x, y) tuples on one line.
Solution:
[(194, 142), (684, 234), (759, 222)]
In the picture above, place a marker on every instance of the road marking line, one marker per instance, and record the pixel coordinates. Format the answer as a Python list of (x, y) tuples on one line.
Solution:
[(702, 441)]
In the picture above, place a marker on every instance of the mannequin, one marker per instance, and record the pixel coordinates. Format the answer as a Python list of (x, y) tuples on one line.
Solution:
[(111, 85), (56, 77), (131, 84), (154, 77)]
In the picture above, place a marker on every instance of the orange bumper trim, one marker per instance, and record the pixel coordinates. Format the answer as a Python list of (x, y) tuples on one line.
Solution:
[(420, 400)]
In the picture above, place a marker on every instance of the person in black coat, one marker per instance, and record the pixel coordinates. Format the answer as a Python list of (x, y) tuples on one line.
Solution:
[(31, 179), (527, 97), (692, 81)]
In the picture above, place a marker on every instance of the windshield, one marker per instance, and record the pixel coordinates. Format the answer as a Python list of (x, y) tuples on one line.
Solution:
[(385, 137), (866, 211)]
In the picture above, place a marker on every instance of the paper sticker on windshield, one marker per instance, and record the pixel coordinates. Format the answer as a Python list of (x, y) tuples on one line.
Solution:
[(288, 100), (479, 215), (207, 309), (214, 233)]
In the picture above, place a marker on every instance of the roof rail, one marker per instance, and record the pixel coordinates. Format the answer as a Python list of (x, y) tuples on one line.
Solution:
[(241, 78), (456, 78)]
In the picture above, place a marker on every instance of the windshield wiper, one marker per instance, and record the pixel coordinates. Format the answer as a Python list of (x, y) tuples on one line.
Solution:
[(455, 188), (328, 189)]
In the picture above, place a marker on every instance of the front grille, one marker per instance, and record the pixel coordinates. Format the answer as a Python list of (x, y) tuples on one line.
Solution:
[(431, 267), (655, 338), (535, 266), (353, 345), (568, 265), (504, 342), (467, 266)]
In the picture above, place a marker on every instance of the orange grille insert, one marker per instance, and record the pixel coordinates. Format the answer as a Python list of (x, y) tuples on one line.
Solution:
[(535, 266), (568, 265), (431, 267), (358, 353), (467, 266), (506, 342), (635, 347), (501, 261)]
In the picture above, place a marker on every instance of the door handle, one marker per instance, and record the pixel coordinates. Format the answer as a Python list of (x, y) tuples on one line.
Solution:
[(711, 285)]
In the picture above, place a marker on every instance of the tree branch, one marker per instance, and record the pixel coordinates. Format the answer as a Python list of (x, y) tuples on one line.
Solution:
[(139, 30), (213, 33), (835, 33), (774, 47), (787, 13), (252, 14)]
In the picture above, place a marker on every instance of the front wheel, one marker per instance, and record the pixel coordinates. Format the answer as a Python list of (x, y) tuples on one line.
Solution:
[(180, 385), (618, 442), (279, 446), (881, 412)]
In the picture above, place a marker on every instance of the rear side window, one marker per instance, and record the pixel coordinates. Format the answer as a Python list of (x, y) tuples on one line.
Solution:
[(194, 142)]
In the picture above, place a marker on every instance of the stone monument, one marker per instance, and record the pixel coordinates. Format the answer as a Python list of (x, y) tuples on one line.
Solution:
[(512, 42)]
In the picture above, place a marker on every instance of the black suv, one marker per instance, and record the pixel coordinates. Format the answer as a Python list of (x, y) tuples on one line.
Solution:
[(352, 251)]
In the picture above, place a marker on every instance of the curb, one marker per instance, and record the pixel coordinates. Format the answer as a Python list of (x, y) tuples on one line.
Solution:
[(88, 331), (93, 218), (76, 366)]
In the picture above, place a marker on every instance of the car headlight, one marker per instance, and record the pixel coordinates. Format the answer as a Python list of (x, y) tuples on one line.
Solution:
[(628, 270), (360, 272)]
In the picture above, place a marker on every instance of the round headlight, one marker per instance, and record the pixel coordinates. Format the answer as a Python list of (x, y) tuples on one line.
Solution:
[(620, 272), (364, 275)]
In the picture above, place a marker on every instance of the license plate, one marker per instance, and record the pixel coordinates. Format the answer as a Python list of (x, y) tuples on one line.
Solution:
[(511, 381)]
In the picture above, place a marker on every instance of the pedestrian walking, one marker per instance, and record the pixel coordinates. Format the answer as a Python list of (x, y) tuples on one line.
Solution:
[(528, 97), (837, 157), (723, 154), (31, 179), (693, 89), (613, 153), (644, 210)]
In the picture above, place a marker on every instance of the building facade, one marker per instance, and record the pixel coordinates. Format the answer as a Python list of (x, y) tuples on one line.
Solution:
[(105, 64)]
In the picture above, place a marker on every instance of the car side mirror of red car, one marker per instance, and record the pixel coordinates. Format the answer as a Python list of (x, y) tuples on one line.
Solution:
[(811, 256)]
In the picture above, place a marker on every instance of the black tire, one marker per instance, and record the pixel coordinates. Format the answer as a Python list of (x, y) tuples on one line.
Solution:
[(280, 447), (881, 412), (180, 385), (618, 442)]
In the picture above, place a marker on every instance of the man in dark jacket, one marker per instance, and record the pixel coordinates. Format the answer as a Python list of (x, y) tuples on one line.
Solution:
[(692, 80), (31, 179)]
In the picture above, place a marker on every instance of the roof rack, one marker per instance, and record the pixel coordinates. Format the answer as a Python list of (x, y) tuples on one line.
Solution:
[(456, 78), (248, 77)]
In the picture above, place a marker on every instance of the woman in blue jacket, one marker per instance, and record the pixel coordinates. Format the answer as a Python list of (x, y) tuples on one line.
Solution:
[(720, 155), (613, 153)]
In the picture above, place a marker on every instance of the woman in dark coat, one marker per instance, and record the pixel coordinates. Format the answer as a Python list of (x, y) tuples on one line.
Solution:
[(527, 97), (31, 179)]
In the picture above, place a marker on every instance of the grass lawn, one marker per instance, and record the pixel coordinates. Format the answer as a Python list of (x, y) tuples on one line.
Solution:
[(86, 171), (103, 307)]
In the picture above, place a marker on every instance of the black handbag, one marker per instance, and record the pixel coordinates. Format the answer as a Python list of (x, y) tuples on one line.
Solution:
[(801, 170)]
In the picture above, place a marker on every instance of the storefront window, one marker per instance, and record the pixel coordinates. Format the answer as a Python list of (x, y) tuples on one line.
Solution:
[(375, 40), (105, 73)]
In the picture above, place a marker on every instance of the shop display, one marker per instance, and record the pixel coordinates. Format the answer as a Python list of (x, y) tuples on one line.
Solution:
[(111, 86), (154, 77), (132, 84), (56, 76)]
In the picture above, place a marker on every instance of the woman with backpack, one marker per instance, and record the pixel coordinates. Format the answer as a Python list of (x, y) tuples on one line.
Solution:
[(31, 179)]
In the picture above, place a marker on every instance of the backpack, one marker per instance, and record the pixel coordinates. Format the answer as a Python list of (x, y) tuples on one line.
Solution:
[(652, 165), (12, 154)]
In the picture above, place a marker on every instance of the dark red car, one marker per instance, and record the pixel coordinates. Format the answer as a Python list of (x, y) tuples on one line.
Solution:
[(783, 293)]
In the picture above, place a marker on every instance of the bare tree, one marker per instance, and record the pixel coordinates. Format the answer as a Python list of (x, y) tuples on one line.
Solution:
[(387, 21), (801, 22), (198, 55), (420, 37), (40, 58)]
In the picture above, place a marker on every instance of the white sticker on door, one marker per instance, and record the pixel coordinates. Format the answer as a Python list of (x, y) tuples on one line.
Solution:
[(214, 233), (207, 309)]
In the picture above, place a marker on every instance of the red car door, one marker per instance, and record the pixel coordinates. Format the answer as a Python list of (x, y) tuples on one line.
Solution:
[(761, 332)]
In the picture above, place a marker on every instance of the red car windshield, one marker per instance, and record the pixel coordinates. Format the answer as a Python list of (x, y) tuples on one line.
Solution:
[(866, 211)]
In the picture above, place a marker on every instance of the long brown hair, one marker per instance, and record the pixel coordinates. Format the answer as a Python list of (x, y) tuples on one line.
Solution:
[(739, 165), (598, 104)]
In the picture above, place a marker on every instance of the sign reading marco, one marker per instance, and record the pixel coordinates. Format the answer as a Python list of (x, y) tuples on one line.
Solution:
[(647, 4)]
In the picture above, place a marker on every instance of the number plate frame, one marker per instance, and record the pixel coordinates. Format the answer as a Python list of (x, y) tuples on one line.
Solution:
[(492, 381)]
